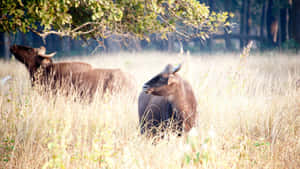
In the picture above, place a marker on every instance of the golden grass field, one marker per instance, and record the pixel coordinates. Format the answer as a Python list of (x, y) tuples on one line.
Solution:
[(248, 109)]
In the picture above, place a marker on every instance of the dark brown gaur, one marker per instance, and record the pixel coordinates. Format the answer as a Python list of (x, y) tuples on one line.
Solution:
[(63, 75), (41, 68), (167, 99)]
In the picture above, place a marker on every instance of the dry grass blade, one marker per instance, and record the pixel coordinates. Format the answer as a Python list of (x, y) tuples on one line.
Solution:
[(249, 119)]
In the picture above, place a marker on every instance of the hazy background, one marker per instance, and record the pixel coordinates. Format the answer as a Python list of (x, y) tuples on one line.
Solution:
[(248, 105), (271, 24)]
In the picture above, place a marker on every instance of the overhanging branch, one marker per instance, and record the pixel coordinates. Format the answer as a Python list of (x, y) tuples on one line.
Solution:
[(75, 32)]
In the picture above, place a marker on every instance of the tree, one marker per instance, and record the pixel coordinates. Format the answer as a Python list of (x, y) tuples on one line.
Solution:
[(227, 7), (242, 22), (284, 13), (295, 21), (100, 19), (262, 21), (272, 23), (212, 6), (4, 48)]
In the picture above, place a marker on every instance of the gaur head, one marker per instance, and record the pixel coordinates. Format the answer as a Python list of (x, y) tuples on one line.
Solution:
[(33, 58), (165, 83)]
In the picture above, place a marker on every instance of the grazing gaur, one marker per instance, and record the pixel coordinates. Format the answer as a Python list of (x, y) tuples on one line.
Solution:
[(65, 75), (167, 101), (105, 81)]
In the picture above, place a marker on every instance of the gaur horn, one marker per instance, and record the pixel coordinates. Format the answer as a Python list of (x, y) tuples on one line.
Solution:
[(42, 52), (177, 68)]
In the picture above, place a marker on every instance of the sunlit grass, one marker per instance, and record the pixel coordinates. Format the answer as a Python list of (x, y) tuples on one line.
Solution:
[(249, 117)]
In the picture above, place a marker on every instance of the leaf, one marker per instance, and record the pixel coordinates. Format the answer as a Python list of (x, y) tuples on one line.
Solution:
[(187, 159), (257, 144), (197, 157)]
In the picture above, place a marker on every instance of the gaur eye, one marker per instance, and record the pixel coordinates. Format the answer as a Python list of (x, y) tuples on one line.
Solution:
[(162, 79)]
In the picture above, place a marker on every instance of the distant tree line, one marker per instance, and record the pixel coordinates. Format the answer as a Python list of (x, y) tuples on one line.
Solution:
[(271, 24)]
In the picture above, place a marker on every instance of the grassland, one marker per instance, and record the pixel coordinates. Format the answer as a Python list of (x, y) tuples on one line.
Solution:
[(249, 117)]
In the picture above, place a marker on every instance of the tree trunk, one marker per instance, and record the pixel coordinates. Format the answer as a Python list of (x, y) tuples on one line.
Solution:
[(248, 19), (284, 24), (272, 24), (279, 32), (50, 43), (243, 23), (171, 40), (24, 39), (4, 45), (290, 20), (212, 6), (262, 24), (295, 20), (227, 6)]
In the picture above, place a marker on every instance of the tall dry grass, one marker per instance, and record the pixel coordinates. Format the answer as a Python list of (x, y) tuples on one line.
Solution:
[(248, 109)]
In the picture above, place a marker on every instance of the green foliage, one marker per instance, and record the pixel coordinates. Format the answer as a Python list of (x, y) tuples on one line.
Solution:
[(17, 15), (103, 18), (199, 152), (6, 147)]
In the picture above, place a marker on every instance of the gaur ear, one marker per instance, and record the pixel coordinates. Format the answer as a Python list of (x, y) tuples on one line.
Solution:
[(168, 69), (45, 62), (42, 50), (176, 69), (171, 79)]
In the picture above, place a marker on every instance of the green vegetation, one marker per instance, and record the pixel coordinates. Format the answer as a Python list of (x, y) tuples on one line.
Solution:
[(100, 19)]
